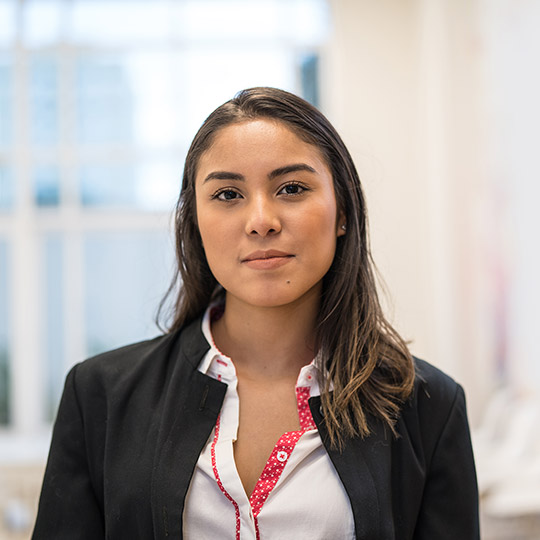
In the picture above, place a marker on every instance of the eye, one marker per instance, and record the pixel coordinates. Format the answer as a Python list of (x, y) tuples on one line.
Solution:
[(294, 188), (226, 195)]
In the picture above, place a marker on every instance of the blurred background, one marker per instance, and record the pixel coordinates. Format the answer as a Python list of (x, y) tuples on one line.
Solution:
[(437, 101)]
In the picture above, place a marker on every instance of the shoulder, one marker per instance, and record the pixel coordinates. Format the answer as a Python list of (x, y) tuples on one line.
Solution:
[(433, 384), (436, 402), (433, 453)]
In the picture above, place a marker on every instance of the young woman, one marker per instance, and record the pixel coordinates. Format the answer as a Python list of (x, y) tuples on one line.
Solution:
[(281, 404)]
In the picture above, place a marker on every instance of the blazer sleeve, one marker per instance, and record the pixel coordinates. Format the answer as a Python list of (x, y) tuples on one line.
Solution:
[(449, 508), (68, 506)]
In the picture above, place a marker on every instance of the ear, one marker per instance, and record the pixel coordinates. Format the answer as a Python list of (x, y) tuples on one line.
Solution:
[(341, 225)]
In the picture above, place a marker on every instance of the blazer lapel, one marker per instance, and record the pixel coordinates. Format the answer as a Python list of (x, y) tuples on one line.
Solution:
[(364, 468), (190, 409), (191, 406)]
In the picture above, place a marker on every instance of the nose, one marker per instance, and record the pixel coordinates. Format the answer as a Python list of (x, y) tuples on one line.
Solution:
[(262, 217)]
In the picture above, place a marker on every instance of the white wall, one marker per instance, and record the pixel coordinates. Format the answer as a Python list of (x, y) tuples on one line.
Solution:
[(513, 77), (403, 83)]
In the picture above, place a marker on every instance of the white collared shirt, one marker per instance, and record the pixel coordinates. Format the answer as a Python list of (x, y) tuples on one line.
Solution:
[(298, 495)]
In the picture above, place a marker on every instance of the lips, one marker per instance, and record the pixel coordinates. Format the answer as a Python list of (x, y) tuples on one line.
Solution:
[(267, 260), (262, 255)]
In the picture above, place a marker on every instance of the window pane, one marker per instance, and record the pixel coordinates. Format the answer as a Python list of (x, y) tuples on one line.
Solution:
[(309, 73), (7, 22), (6, 103), (300, 22), (47, 185), (158, 185), (126, 276), (253, 66), (158, 81), (152, 186), (309, 21), (297, 22), (112, 186), (104, 101), (120, 21), (42, 22), (4, 335), (6, 188), (44, 100), (53, 321), (131, 99), (234, 19)]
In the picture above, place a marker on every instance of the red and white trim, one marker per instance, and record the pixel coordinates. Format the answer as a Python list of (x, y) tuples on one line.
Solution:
[(218, 479), (306, 490), (276, 462)]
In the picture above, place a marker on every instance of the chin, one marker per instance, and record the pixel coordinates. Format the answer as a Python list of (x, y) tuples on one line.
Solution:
[(273, 297), (270, 301)]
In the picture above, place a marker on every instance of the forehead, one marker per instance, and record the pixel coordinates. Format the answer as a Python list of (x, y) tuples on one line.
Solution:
[(262, 140)]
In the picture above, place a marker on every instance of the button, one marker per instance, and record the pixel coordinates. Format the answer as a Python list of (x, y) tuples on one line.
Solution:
[(282, 456)]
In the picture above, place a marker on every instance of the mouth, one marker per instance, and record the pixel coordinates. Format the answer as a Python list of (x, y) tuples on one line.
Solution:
[(265, 255), (266, 260)]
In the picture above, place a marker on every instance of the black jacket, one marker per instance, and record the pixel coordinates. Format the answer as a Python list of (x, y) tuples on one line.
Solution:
[(132, 422)]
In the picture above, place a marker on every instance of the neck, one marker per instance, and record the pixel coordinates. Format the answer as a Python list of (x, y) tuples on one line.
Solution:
[(270, 342)]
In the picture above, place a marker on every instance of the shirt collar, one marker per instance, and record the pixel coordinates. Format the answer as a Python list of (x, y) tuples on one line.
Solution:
[(221, 367)]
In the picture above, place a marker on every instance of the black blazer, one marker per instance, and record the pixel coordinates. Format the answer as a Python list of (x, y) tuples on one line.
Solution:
[(132, 422)]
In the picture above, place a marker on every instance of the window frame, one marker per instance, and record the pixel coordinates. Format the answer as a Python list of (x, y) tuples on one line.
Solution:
[(24, 227)]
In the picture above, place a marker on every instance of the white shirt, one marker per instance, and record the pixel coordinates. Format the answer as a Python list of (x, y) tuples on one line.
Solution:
[(299, 494)]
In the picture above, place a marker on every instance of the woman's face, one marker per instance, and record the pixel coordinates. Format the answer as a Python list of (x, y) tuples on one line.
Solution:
[(267, 213)]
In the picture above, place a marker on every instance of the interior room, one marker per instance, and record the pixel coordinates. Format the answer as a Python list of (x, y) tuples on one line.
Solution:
[(437, 101)]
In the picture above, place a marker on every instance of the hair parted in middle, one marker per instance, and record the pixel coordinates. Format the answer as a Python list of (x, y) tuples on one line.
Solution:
[(370, 369)]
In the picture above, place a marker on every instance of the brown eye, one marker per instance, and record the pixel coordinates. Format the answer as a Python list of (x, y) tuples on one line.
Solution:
[(292, 189), (227, 195)]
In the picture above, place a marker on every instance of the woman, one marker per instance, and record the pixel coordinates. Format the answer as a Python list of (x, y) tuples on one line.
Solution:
[(280, 404)]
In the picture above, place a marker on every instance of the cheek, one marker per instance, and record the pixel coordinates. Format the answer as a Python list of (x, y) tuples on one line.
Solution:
[(216, 235), (318, 222), (210, 241)]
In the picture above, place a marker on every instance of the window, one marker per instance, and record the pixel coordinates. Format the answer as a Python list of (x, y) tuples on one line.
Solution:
[(98, 104)]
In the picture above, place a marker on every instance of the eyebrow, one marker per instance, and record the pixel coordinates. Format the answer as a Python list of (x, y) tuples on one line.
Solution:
[(225, 175)]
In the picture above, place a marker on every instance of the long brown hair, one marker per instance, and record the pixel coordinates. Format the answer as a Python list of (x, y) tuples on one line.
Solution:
[(370, 369)]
